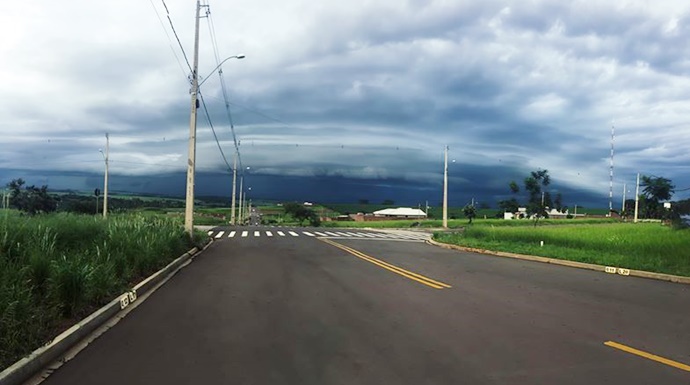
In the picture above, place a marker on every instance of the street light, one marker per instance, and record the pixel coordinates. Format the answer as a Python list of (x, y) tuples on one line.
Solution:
[(242, 195), (218, 66), (105, 181), (191, 160), (445, 187)]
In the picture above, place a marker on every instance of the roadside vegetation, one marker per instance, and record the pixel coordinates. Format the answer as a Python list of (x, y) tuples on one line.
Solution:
[(462, 223), (641, 246), (57, 268)]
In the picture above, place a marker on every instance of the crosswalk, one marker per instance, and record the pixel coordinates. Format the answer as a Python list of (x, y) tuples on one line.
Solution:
[(350, 234)]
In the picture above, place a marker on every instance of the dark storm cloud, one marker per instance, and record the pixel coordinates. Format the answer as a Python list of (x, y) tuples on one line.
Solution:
[(357, 90)]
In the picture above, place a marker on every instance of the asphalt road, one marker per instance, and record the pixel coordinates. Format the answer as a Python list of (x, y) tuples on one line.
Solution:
[(294, 309)]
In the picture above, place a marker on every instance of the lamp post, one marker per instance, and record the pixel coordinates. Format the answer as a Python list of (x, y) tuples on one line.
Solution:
[(445, 188), (105, 179), (234, 188), (240, 214), (191, 160), (240, 56), (637, 197), (243, 196)]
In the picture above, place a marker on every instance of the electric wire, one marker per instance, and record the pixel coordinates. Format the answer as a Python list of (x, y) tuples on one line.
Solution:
[(184, 54), (208, 118), (214, 44), (165, 30)]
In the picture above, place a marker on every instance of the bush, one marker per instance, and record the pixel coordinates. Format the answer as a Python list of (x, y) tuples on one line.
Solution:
[(56, 267)]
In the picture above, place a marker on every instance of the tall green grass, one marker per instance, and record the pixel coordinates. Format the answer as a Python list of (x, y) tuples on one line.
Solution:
[(56, 268), (650, 247)]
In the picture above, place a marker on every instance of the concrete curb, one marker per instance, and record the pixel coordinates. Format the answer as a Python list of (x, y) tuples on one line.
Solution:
[(562, 262), (28, 366)]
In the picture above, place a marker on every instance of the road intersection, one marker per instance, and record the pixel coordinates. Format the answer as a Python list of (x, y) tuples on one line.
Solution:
[(300, 309)]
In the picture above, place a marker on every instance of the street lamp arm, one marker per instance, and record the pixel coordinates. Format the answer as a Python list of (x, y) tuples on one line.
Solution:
[(218, 66)]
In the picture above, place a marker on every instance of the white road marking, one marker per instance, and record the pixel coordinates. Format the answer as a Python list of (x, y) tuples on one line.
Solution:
[(257, 234), (294, 234), (245, 233), (307, 233), (320, 234), (282, 234), (220, 234), (268, 233), (232, 234), (331, 234), (210, 232)]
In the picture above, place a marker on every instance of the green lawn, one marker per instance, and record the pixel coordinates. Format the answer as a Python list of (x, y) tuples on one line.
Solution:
[(642, 246)]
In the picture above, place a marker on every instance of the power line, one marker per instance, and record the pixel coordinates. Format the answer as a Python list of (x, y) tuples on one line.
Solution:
[(176, 36), (208, 118), (214, 44), (168, 36)]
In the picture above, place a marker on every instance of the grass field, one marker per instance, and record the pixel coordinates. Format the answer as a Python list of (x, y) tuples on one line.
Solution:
[(56, 268), (642, 246), (459, 223)]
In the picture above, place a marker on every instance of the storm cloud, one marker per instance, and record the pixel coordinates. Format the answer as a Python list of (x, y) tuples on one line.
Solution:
[(361, 91)]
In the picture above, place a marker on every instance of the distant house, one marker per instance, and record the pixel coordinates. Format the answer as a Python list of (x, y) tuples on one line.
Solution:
[(401, 213), (552, 214), (520, 214)]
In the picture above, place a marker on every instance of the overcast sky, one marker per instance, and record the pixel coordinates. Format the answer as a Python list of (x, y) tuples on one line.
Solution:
[(356, 89)]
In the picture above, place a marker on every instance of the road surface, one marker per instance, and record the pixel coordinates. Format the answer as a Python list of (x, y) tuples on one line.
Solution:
[(280, 306)]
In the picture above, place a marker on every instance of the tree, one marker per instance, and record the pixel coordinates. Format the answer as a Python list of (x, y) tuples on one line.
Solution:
[(510, 205), (301, 213), (537, 201), (469, 212), (656, 189), (31, 199)]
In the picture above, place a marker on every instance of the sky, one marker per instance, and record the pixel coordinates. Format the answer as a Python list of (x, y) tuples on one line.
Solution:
[(349, 100)]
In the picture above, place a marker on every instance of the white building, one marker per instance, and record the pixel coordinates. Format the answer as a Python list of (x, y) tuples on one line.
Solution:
[(401, 212)]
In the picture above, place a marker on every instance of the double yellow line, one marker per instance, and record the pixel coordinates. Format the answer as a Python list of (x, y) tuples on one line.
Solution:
[(395, 269)]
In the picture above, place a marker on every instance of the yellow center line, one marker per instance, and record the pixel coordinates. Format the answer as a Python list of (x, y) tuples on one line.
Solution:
[(648, 356), (395, 269)]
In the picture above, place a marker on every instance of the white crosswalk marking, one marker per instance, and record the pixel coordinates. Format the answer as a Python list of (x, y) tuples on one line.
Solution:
[(387, 235)]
